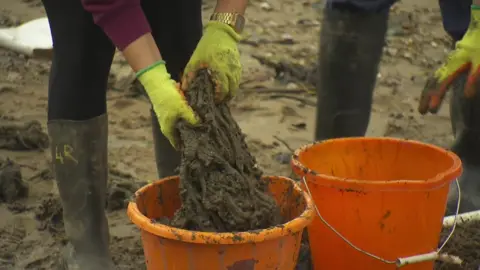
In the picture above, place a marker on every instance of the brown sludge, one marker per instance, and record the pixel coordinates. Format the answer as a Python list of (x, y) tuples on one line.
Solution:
[(28, 136), (465, 243), (12, 186), (220, 187)]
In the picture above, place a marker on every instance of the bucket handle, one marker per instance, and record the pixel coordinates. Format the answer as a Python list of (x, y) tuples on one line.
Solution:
[(400, 262)]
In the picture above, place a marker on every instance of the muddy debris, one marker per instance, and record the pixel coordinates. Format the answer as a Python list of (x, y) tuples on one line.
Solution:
[(122, 185), (12, 186), (7, 20), (220, 183), (464, 243), (49, 213), (28, 136), (12, 236), (33, 3), (120, 193), (288, 71), (304, 261), (127, 253)]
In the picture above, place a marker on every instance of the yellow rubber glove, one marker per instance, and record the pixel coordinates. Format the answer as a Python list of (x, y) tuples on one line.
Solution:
[(217, 51), (167, 99), (465, 57)]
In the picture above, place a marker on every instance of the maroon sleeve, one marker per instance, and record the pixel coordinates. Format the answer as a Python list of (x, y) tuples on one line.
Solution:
[(122, 20)]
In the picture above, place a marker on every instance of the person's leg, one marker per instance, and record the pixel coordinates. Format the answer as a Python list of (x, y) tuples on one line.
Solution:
[(351, 43), (177, 28), (464, 116), (77, 125), (456, 17)]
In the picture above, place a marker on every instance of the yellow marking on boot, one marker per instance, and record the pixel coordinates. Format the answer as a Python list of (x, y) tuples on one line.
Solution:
[(67, 153)]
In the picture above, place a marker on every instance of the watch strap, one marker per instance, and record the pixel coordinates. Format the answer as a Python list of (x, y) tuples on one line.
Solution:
[(235, 20)]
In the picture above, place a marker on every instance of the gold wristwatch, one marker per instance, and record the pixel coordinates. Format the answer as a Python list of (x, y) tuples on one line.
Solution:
[(235, 20)]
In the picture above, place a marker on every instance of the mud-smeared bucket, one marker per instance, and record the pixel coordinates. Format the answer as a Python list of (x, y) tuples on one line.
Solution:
[(377, 199), (169, 248)]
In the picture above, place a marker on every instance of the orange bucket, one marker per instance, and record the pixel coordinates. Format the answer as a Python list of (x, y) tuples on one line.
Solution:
[(379, 197), (168, 248)]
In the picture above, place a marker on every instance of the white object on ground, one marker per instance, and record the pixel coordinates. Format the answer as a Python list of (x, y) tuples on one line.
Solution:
[(432, 256), (32, 38), (461, 218), (447, 222)]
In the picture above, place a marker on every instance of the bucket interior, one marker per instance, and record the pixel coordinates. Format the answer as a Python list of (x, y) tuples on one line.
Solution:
[(162, 199), (376, 159)]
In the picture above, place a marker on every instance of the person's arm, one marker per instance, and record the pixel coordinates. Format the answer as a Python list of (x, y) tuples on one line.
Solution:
[(476, 2), (231, 6), (124, 22)]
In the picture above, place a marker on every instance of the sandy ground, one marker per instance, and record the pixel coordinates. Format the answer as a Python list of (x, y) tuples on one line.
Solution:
[(284, 30)]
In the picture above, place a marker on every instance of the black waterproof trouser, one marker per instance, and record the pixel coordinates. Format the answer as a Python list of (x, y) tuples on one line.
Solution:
[(83, 53)]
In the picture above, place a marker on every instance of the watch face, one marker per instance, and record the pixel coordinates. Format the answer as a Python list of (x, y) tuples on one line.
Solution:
[(239, 23)]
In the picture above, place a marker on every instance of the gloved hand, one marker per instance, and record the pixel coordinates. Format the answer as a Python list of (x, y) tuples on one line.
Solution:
[(167, 99), (217, 51), (466, 56)]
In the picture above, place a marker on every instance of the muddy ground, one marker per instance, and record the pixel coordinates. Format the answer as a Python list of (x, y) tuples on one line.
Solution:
[(280, 31)]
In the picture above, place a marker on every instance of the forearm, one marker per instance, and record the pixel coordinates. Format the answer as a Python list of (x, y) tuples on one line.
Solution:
[(142, 53), (476, 2), (233, 6), (126, 25)]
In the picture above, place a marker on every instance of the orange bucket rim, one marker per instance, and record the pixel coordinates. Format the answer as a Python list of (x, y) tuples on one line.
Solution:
[(293, 226), (439, 180)]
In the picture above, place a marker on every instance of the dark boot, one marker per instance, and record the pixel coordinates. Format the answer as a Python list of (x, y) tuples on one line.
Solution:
[(465, 117), (351, 46), (79, 151), (167, 158)]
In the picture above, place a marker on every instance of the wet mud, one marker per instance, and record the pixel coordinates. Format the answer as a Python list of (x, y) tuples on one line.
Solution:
[(12, 186), (220, 187), (49, 214), (28, 136), (276, 76), (304, 261), (465, 244)]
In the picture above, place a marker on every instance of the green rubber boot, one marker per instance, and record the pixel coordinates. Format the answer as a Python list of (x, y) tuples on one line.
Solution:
[(465, 119), (351, 46), (167, 158), (79, 151)]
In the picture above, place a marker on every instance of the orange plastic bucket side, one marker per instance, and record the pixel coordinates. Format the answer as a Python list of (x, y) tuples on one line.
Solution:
[(375, 222), (403, 222), (278, 245)]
